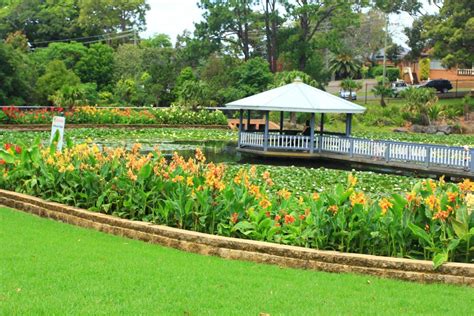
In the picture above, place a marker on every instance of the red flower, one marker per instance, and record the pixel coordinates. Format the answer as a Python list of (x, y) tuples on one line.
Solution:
[(2, 162), (302, 217), (289, 219), (267, 214), (18, 149), (7, 146)]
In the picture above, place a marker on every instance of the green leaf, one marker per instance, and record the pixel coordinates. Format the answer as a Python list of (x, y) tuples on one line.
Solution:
[(420, 233), (461, 229), (439, 259), (145, 172), (9, 158)]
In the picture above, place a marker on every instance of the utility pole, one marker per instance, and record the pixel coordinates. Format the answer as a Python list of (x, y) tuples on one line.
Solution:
[(135, 38), (385, 50)]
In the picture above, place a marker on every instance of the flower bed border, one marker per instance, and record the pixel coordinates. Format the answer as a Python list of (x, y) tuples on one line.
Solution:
[(242, 249), (47, 127)]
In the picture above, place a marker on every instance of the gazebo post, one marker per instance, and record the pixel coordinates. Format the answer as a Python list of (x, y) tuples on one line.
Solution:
[(248, 120), (281, 122), (265, 136), (348, 124), (241, 120), (311, 137), (321, 130)]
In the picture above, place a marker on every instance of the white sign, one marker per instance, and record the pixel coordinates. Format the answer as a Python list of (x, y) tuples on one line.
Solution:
[(58, 126)]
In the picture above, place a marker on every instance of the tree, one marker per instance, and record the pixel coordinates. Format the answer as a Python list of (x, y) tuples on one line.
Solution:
[(366, 37), (227, 22), (344, 65), (394, 53), (315, 16), (382, 90), (41, 20), (108, 16), (194, 94), (417, 40), (97, 65), (128, 62), (452, 33), (69, 53), (271, 32), (17, 76), (157, 41), (55, 77), (350, 85), (253, 76), (18, 40), (160, 64)]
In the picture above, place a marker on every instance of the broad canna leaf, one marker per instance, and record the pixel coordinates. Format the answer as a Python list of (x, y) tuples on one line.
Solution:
[(6, 156), (420, 233), (439, 259)]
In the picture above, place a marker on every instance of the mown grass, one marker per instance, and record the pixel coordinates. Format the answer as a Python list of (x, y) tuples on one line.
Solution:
[(51, 268)]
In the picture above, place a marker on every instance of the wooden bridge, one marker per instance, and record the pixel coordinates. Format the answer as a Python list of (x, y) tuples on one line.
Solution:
[(454, 161)]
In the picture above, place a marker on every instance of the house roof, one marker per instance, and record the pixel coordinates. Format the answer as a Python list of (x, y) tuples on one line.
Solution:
[(296, 97)]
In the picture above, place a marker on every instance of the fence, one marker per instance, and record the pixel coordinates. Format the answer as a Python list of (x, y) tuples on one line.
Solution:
[(388, 151)]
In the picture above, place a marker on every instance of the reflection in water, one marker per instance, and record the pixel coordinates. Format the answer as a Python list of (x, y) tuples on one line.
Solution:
[(225, 152)]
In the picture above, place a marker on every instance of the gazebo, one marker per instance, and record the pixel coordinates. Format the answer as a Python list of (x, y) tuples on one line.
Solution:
[(294, 97)]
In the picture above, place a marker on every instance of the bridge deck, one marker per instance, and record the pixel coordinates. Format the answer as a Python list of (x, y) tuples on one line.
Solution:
[(438, 159)]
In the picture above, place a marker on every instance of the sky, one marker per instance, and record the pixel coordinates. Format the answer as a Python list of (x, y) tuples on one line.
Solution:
[(172, 17)]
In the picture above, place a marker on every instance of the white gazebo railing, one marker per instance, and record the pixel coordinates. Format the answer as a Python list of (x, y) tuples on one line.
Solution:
[(389, 151)]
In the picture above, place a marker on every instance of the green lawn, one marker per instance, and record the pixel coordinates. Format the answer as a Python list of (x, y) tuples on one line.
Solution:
[(50, 268)]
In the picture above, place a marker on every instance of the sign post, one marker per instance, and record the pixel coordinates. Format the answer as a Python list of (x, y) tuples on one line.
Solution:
[(58, 127)]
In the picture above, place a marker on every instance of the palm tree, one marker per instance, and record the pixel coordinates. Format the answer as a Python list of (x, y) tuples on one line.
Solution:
[(350, 85), (344, 66)]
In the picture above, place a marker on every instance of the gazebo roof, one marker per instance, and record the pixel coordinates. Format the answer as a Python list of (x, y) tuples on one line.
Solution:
[(296, 97)]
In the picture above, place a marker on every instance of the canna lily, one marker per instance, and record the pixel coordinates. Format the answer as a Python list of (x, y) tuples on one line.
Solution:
[(385, 205)]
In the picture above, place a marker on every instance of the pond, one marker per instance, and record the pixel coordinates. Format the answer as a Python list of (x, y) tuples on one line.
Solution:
[(225, 152)]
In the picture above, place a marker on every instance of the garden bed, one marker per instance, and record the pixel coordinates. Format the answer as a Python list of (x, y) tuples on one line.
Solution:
[(233, 248), (47, 127)]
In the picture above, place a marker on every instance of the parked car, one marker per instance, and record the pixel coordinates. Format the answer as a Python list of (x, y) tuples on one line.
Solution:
[(441, 85), (398, 86), (348, 95)]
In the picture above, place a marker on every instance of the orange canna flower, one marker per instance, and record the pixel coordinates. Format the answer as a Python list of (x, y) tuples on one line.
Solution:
[(385, 205), (234, 217), (358, 198), (351, 180), (333, 209), (264, 203), (285, 194), (452, 196), (315, 196)]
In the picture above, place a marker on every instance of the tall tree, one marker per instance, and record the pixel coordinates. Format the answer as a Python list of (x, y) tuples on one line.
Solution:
[(271, 31), (107, 16), (315, 16), (228, 22), (40, 20), (452, 32)]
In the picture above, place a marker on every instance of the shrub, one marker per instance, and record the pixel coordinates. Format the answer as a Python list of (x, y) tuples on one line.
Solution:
[(424, 68), (392, 73), (421, 102)]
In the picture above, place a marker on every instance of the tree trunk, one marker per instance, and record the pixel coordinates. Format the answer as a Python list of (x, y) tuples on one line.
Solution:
[(292, 119), (382, 101)]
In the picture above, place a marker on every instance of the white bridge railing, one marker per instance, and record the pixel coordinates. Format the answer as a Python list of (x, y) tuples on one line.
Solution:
[(389, 151)]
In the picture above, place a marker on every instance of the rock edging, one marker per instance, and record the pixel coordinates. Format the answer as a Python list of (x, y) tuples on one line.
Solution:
[(241, 249)]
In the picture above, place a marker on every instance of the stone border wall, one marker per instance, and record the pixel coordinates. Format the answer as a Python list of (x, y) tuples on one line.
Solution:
[(47, 127), (233, 248)]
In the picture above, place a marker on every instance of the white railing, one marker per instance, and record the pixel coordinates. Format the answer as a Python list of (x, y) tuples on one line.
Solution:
[(426, 154), (289, 141), (251, 139), (466, 72)]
